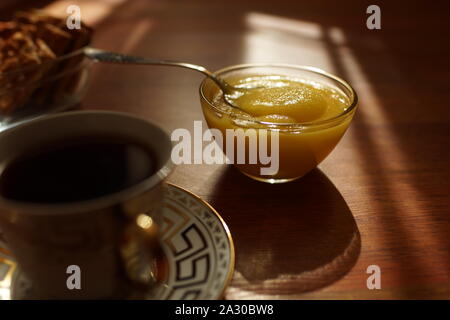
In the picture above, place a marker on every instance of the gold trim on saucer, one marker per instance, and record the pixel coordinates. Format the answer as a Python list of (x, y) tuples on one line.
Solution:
[(227, 230)]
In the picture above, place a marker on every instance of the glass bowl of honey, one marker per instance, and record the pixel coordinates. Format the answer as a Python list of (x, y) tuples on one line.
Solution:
[(286, 121)]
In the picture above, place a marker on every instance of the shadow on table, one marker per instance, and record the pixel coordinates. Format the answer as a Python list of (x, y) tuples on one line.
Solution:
[(290, 238)]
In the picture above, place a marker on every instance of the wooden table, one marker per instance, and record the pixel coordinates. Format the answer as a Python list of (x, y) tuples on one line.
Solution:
[(381, 198)]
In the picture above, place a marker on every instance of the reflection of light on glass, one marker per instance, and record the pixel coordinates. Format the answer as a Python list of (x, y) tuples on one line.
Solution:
[(271, 38), (372, 108), (144, 221), (92, 11)]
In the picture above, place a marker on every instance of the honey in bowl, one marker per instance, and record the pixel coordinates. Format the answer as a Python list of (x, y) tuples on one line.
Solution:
[(309, 114), (283, 100)]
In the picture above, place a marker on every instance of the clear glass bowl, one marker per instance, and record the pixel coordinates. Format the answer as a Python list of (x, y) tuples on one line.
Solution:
[(302, 146), (33, 91)]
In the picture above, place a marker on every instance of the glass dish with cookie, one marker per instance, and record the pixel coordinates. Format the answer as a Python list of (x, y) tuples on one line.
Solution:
[(42, 66)]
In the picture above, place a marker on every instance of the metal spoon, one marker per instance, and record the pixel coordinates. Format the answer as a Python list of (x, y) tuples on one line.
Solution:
[(118, 58)]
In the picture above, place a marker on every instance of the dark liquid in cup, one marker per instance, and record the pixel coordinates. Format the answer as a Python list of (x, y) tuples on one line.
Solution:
[(77, 169)]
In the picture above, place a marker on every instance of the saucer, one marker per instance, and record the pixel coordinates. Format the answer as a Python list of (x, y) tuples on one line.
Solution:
[(197, 246)]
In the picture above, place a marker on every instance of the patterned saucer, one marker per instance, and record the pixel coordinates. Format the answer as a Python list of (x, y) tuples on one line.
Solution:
[(196, 242)]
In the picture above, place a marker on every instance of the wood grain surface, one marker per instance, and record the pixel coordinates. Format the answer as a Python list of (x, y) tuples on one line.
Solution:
[(382, 196)]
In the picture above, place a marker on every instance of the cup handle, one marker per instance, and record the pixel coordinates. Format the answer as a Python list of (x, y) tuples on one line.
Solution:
[(141, 252)]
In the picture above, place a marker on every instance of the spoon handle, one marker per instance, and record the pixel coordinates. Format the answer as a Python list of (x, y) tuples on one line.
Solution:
[(118, 58)]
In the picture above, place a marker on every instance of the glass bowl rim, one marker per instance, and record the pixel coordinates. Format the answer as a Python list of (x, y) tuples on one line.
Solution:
[(315, 70)]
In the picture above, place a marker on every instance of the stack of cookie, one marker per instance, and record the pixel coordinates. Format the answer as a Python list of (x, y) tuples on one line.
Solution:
[(39, 60)]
